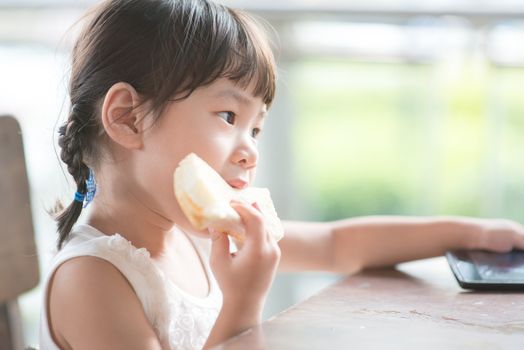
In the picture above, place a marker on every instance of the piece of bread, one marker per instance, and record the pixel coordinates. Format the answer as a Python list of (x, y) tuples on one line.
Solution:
[(205, 197)]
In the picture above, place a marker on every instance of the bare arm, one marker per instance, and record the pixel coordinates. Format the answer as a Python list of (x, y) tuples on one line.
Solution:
[(382, 241), (306, 246), (92, 306), (350, 245)]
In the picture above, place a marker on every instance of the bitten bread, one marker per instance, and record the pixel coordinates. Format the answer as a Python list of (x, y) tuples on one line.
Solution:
[(205, 197)]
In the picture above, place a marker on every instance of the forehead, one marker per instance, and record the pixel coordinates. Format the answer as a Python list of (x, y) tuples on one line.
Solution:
[(225, 89)]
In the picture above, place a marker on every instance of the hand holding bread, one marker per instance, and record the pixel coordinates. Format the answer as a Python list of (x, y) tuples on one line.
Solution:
[(205, 197), (208, 201)]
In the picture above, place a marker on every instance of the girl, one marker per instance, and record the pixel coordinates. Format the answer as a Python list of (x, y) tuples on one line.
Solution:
[(153, 80)]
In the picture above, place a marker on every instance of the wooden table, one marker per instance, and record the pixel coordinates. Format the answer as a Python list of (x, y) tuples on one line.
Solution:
[(417, 305)]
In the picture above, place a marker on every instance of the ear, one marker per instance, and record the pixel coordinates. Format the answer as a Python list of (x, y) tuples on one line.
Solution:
[(122, 121)]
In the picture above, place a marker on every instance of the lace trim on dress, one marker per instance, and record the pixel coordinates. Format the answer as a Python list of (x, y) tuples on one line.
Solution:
[(182, 322)]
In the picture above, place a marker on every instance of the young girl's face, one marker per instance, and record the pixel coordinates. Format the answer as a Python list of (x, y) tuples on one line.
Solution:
[(221, 123)]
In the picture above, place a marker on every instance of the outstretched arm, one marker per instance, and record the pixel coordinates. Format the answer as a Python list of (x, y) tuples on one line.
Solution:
[(347, 246)]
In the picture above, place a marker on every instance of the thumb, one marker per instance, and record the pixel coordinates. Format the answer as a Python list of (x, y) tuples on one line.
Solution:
[(219, 246)]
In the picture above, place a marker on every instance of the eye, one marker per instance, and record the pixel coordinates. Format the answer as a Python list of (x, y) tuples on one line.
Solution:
[(228, 116), (255, 132)]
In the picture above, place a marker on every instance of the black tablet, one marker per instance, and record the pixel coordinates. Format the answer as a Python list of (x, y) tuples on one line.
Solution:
[(477, 269)]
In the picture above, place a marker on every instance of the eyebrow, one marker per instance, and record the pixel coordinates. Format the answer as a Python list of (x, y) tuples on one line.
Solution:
[(230, 93), (240, 98)]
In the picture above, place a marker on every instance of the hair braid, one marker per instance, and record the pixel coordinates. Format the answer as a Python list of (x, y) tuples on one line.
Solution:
[(72, 154)]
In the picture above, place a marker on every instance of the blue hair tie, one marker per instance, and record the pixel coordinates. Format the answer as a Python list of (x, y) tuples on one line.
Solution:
[(91, 188), (87, 198), (79, 197)]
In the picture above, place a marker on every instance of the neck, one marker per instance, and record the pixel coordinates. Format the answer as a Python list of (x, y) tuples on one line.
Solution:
[(118, 210)]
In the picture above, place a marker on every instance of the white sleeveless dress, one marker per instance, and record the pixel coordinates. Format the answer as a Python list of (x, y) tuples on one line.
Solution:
[(180, 320)]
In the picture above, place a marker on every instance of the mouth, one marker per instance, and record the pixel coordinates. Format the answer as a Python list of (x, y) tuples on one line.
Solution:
[(237, 183)]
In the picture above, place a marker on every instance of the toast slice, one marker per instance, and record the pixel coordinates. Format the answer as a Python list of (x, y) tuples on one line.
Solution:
[(205, 197)]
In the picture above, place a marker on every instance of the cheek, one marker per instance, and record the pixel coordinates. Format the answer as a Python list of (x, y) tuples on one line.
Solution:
[(166, 147), (199, 136), (213, 148), (154, 168)]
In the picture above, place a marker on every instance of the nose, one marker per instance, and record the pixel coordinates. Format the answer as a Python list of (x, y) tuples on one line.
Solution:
[(246, 153)]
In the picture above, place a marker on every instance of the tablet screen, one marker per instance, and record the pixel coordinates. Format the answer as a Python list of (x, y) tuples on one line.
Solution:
[(488, 270), (492, 266)]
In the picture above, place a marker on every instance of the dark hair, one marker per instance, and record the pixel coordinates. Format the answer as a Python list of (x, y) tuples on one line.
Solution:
[(163, 48)]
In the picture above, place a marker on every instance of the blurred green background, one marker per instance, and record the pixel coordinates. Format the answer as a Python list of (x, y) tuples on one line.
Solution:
[(395, 138)]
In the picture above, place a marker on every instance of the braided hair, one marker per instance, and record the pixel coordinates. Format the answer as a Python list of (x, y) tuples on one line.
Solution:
[(73, 141), (163, 49)]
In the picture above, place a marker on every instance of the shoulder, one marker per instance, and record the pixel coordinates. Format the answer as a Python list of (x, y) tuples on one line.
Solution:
[(92, 305)]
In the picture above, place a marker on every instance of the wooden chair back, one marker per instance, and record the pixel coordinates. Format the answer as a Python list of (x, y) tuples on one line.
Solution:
[(19, 271)]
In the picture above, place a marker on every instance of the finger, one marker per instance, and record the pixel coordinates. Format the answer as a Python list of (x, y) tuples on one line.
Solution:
[(271, 239), (519, 241), (253, 223), (219, 246), (518, 236), (255, 205)]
